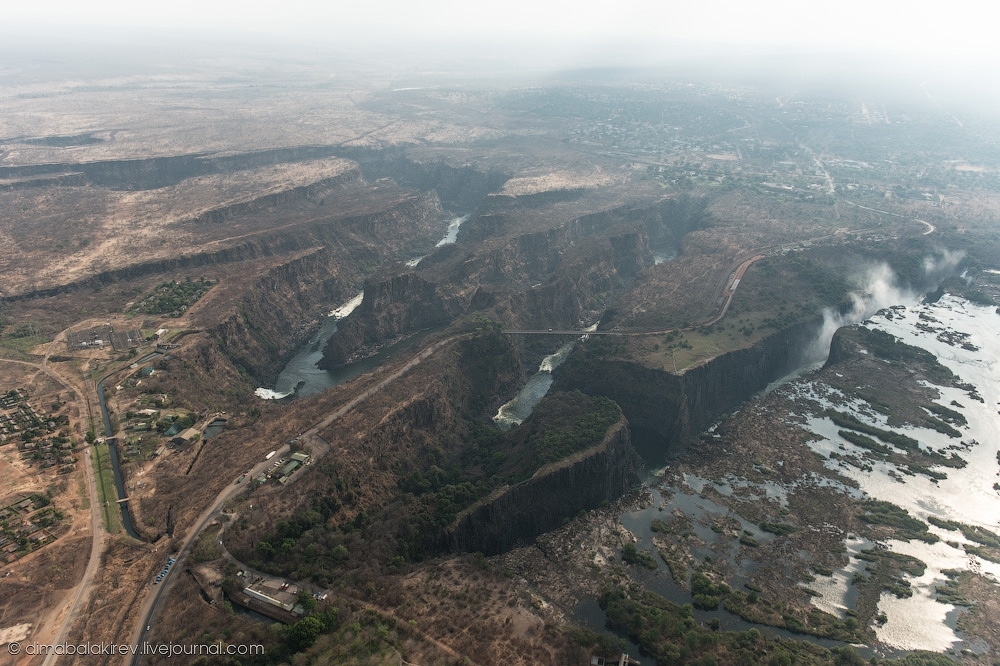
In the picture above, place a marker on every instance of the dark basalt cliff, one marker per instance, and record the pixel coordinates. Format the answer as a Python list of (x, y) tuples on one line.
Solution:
[(282, 308), (843, 347), (545, 279), (463, 187), (676, 407), (516, 515), (155, 172)]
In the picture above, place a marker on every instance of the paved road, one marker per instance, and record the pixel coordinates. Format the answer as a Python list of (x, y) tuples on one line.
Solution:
[(930, 228), (155, 601)]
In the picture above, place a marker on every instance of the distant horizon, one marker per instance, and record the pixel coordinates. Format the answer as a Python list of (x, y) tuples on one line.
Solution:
[(37, 51), (958, 34)]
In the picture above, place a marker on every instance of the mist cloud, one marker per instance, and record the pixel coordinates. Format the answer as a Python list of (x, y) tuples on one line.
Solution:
[(881, 290)]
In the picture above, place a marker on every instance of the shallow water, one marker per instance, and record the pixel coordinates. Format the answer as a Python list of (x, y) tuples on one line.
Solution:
[(966, 496)]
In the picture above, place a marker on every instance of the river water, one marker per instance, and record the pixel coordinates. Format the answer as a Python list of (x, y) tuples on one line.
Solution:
[(967, 495), (302, 377), (516, 410), (451, 235), (302, 370)]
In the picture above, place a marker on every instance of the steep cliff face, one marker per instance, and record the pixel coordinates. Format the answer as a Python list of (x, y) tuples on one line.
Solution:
[(277, 314), (282, 308), (555, 277), (843, 347), (460, 187), (676, 407), (313, 192), (155, 172), (516, 515), (391, 307)]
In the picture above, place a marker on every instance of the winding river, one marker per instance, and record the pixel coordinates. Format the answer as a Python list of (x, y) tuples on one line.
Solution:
[(302, 377)]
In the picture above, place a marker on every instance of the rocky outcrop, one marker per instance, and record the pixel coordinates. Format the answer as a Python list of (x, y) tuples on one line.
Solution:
[(155, 172), (516, 515), (461, 187), (311, 192), (550, 278), (676, 407)]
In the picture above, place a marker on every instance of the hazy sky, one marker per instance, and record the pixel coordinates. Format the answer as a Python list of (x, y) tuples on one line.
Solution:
[(955, 29)]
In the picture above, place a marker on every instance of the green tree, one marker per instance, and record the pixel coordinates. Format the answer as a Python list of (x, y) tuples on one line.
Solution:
[(307, 601), (304, 633)]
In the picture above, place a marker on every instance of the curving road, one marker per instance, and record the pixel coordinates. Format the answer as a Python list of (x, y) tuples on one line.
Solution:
[(154, 602), (57, 634)]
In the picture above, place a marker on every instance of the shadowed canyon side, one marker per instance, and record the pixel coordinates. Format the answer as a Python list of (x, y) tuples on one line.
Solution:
[(676, 407), (563, 277), (284, 307), (586, 480)]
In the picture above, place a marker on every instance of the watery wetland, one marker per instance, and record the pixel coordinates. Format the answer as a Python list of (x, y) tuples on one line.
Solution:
[(757, 519)]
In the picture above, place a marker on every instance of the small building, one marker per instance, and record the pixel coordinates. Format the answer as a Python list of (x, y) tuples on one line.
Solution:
[(276, 597), (300, 456), (289, 467), (186, 437)]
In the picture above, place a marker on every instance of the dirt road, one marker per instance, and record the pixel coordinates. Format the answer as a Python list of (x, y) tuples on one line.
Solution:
[(63, 620)]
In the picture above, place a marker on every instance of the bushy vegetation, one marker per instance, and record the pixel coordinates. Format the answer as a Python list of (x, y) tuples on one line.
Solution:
[(631, 555), (950, 592), (173, 298), (561, 424), (906, 526), (864, 442), (889, 569), (781, 529), (890, 348), (670, 634), (705, 594), (828, 283), (971, 532), (845, 420), (317, 542)]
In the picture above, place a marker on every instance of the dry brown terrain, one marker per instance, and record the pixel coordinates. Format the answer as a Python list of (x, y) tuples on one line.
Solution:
[(323, 181)]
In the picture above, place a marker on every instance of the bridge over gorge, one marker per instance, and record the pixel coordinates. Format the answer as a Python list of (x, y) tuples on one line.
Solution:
[(551, 331)]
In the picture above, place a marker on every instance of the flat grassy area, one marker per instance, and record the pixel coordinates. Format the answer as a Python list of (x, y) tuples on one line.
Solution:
[(20, 348), (679, 350), (82, 489), (106, 488)]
